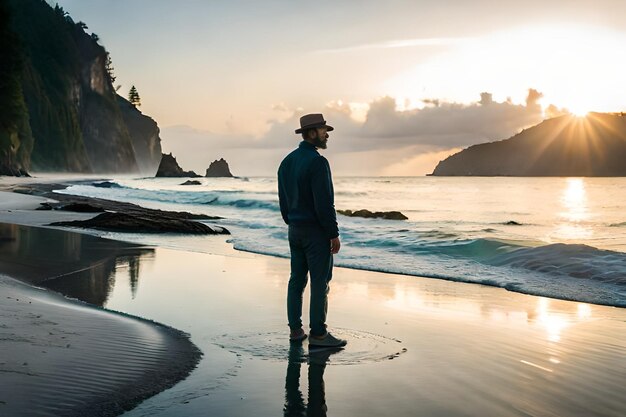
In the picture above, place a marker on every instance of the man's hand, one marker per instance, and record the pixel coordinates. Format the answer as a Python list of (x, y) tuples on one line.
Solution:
[(335, 244)]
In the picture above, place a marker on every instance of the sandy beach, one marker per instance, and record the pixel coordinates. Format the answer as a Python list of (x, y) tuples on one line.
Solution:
[(62, 357), (65, 356), (417, 346)]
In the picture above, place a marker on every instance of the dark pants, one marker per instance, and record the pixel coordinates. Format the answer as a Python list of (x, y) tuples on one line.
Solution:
[(310, 253)]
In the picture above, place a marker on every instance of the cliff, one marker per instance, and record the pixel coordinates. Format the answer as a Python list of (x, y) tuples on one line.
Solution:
[(16, 139), (144, 133), (74, 121), (218, 168), (563, 146)]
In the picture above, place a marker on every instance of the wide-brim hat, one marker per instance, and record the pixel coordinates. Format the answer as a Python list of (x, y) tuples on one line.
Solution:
[(312, 121)]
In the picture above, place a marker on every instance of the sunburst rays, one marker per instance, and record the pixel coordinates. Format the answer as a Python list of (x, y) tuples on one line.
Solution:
[(582, 141)]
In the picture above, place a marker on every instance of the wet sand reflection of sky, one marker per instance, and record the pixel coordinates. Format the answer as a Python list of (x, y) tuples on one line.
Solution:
[(552, 317)]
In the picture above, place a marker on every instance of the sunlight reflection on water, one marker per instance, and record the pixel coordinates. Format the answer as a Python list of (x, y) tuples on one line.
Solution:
[(574, 200), (574, 203)]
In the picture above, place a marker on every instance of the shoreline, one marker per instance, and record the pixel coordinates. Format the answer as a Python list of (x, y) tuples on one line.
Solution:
[(486, 283), (600, 298)]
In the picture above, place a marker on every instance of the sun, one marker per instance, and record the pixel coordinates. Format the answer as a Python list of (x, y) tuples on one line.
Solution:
[(575, 66), (579, 110), (580, 113)]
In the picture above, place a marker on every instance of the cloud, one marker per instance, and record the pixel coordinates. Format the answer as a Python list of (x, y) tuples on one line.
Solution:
[(381, 140), (485, 99), (532, 99), (554, 111), (449, 124), (399, 43)]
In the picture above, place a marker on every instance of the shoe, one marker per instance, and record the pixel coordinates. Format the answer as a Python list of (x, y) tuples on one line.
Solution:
[(297, 335), (328, 340)]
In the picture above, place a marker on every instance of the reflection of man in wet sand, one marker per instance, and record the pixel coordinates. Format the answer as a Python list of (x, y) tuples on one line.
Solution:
[(305, 190), (294, 402)]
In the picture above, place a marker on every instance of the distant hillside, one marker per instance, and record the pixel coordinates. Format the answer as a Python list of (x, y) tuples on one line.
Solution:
[(63, 111), (563, 146)]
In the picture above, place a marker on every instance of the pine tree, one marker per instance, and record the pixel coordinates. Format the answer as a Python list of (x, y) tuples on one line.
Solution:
[(109, 68), (133, 97)]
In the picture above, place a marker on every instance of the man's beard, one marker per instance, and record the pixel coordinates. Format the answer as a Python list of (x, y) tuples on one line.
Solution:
[(318, 142)]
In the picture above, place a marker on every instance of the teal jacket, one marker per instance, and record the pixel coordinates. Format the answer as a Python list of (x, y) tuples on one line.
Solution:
[(305, 190)]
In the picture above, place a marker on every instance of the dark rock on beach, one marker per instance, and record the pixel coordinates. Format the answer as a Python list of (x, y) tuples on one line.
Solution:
[(388, 215), (126, 222), (169, 168), (7, 168), (191, 182), (78, 207), (218, 168), (106, 184), (121, 216), (66, 200), (81, 208), (118, 206)]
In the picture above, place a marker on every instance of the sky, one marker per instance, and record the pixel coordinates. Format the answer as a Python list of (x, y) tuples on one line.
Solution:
[(404, 83)]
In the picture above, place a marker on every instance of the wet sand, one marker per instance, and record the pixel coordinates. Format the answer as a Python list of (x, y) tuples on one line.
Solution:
[(417, 346), (65, 358), (470, 350)]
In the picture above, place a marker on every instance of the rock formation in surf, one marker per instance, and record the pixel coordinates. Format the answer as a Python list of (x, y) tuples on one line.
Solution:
[(218, 168), (169, 168), (388, 215)]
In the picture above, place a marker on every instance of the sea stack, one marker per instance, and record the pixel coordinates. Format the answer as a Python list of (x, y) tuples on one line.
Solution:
[(218, 168), (169, 168)]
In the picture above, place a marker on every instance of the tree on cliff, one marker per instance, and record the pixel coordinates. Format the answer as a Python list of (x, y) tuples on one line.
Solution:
[(60, 12), (109, 68), (133, 97), (11, 62), (15, 134)]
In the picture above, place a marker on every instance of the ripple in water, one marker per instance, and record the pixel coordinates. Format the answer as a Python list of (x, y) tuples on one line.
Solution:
[(363, 347)]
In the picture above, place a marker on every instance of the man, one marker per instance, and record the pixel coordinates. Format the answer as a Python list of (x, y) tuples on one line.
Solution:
[(305, 190)]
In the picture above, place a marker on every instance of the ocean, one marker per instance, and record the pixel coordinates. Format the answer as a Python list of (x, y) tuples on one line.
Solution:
[(556, 237)]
